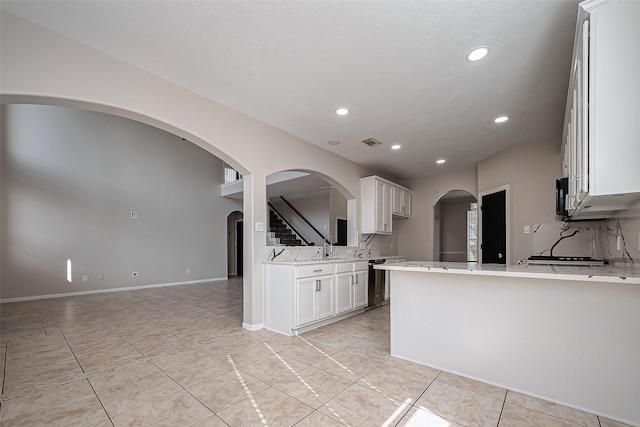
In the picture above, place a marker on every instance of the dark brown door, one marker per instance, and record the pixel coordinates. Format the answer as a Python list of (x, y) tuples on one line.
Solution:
[(239, 251), (494, 228)]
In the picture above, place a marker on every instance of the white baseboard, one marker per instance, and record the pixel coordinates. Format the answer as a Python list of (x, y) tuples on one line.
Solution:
[(251, 327), (102, 291)]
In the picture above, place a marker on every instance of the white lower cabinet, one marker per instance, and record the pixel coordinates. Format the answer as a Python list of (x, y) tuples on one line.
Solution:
[(300, 296), (351, 286), (360, 287), (314, 299), (344, 292)]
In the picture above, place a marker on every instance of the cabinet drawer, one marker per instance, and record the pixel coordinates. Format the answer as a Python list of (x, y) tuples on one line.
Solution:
[(344, 268), (314, 270), (362, 265)]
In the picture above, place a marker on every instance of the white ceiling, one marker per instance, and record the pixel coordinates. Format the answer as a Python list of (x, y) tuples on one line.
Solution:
[(399, 66)]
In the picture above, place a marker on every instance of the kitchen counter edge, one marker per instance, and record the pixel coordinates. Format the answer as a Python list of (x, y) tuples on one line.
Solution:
[(596, 274), (332, 260)]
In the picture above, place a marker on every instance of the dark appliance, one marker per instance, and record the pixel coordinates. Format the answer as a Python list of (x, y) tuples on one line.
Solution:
[(562, 189), (377, 280)]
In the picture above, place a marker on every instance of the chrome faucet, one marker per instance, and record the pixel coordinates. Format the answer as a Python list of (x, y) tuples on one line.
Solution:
[(326, 254)]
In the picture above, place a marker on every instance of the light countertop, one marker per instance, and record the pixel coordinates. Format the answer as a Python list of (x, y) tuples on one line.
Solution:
[(331, 260), (616, 274)]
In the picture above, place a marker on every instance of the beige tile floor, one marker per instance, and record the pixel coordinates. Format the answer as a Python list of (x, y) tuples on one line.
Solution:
[(177, 356)]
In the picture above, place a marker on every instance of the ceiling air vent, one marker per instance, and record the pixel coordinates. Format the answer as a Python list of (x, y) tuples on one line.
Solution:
[(371, 142)]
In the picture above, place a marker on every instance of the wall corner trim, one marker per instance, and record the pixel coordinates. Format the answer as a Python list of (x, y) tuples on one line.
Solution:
[(252, 327), (102, 291)]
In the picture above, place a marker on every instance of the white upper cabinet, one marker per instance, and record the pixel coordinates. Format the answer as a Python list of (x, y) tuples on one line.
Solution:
[(601, 135), (401, 202), (380, 200)]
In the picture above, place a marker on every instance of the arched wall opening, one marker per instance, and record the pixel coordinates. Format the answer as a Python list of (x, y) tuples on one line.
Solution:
[(80, 77), (238, 264), (315, 207), (112, 195), (455, 224)]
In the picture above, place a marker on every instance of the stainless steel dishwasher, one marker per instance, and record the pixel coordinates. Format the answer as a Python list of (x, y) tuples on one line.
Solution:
[(376, 283)]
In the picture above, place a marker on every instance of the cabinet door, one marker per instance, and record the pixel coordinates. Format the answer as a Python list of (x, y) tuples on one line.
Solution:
[(324, 297), (306, 307), (344, 295), (360, 288), (383, 207), (407, 203), (398, 201), (401, 202)]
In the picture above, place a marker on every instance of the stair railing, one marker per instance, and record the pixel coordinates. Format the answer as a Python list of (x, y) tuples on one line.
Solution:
[(306, 242), (305, 220)]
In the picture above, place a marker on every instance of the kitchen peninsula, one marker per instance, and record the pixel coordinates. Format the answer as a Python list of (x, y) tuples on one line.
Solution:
[(565, 334)]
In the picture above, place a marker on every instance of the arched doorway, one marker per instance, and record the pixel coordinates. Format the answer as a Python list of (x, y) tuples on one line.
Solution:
[(235, 247), (455, 224)]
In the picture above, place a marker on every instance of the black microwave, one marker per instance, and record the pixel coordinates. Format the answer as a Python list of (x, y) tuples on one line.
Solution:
[(562, 189)]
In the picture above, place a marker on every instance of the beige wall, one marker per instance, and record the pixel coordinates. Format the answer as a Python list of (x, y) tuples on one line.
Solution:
[(530, 171), (415, 234)]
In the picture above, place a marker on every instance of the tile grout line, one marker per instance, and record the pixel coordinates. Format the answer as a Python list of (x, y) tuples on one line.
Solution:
[(4, 369), (101, 404), (72, 352), (504, 402)]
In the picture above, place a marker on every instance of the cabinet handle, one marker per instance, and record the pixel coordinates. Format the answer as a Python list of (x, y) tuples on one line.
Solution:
[(317, 271), (356, 279), (319, 285), (351, 280)]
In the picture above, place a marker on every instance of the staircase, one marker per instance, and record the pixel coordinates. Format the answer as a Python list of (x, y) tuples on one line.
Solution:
[(280, 233)]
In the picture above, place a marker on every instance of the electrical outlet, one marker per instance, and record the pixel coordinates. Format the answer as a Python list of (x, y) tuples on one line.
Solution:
[(188, 270), (135, 274), (527, 229), (101, 277), (134, 215), (85, 278)]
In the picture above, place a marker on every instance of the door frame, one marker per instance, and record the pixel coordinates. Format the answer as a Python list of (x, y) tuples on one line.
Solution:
[(238, 242), (507, 222)]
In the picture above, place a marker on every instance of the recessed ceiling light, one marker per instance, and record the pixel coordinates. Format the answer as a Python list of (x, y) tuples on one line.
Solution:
[(478, 53), (501, 119), (342, 111), (396, 147), (333, 142), (440, 161)]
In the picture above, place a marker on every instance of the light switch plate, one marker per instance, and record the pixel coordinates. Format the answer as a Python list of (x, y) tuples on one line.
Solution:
[(527, 229), (259, 226)]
